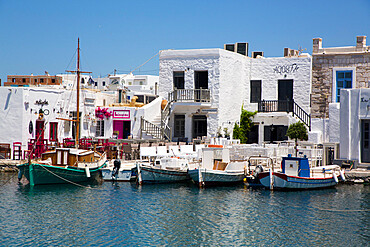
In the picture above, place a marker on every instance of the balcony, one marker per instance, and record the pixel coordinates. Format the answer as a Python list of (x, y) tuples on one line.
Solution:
[(190, 95), (285, 106)]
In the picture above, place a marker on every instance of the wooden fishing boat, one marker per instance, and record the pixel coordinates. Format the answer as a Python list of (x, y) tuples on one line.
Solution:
[(163, 170), (217, 169), (296, 174), (65, 165)]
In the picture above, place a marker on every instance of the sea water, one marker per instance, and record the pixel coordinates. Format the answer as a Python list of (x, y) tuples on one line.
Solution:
[(125, 214)]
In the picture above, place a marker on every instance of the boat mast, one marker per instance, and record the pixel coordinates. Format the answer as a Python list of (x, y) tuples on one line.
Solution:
[(78, 94)]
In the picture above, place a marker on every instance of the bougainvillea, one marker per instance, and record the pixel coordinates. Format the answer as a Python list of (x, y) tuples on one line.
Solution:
[(102, 112)]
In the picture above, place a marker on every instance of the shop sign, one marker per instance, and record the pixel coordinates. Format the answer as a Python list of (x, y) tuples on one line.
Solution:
[(121, 114)]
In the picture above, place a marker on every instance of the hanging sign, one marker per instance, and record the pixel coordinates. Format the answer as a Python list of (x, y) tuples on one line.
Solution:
[(121, 114)]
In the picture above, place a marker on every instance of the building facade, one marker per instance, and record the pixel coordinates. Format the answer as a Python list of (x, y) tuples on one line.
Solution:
[(334, 69), (207, 89)]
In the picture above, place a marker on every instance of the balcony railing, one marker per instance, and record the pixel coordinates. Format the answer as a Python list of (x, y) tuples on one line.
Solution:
[(190, 95), (285, 106)]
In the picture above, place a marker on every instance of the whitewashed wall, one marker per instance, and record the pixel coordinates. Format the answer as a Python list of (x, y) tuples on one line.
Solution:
[(270, 70), (353, 109)]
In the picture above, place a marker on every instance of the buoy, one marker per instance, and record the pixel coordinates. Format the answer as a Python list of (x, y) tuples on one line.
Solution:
[(245, 179), (87, 170), (335, 177), (342, 175)]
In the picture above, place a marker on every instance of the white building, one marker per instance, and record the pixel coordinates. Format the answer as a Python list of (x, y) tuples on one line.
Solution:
[(134, 83), (355, 125), (206, 89)]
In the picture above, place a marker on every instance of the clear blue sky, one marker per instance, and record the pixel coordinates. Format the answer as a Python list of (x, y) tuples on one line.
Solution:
[(38, 36)]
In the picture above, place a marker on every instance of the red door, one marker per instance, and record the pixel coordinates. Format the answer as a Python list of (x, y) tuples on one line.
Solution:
[(40, 129), (118, 129)]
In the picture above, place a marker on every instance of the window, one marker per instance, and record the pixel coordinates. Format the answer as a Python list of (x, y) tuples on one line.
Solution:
[(275, 133), (343, 80), (52, 80), (99, 128), (35, 80), (103, 83), (41, 80), (13, 79), (199, 126), (178, 80), (53, 136), (255, 91), (179, 124), (201, 79), (23, 80)]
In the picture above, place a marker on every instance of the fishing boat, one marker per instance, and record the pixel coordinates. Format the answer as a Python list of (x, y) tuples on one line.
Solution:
[(163, 170), (296, 174), (216, 168), (65, 165), (126, 171)]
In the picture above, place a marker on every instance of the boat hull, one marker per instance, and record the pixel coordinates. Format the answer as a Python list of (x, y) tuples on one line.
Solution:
[(124, 175), (47, 174), (215, 177), (283, 181), (157, 175)]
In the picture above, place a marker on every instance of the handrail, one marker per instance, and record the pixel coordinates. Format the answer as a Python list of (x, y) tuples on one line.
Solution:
[(285, 106), (154, 130)]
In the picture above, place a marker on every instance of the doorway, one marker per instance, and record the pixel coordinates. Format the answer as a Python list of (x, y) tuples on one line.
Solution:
[(121, 129), (365, 141), (40, 129), (199, 126), (285, 95)]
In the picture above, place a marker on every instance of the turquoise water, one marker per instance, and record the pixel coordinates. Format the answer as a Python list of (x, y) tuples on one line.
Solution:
[(124, 214)]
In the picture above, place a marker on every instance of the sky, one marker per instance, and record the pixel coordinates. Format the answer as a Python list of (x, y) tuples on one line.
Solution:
[(38, 36)]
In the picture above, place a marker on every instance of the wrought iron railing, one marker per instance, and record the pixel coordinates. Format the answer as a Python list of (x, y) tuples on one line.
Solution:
[(285, 106), (190, 95)]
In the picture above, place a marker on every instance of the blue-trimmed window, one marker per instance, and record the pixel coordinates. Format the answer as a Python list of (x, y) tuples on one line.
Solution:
[(344, 80)]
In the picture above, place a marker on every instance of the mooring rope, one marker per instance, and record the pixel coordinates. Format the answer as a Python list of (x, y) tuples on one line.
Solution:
[(9, 179), (68, 181)]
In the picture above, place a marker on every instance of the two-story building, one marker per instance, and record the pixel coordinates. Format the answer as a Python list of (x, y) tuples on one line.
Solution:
[(207, 88)]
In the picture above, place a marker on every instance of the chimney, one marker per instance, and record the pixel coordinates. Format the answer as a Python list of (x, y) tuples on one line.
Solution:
[(317, 44), (361, 42)]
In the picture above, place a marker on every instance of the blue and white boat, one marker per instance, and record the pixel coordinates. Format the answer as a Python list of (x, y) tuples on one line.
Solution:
[(296, 174), (217, 169), (163, 170)]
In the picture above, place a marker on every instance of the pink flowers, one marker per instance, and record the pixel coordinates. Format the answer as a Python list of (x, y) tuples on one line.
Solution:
[(102, 112)]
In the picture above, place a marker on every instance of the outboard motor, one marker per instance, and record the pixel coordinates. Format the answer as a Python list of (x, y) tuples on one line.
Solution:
[(117, 166), (258, 169)]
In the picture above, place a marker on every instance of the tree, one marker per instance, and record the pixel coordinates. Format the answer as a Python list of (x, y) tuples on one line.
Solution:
[(241, 131), (297, 131)]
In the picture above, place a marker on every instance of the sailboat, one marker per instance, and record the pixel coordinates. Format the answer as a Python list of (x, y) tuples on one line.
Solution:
[(65, 165)]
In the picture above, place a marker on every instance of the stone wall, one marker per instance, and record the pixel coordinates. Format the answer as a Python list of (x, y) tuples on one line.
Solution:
[(322, 77)]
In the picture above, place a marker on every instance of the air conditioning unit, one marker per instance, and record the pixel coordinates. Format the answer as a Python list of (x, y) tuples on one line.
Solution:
[(242, 48), (255, 54), (229, 47)]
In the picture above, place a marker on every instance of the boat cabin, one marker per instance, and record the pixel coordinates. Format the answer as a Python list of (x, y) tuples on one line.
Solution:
[(215, 158), (294, 166), (67, 156)]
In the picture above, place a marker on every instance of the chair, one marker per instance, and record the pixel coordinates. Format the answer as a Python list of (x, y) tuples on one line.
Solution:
[(17, 150), (127, 151), (147, 152), (162, 151)]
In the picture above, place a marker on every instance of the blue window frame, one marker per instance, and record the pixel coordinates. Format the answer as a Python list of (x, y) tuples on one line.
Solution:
[(344, 80)]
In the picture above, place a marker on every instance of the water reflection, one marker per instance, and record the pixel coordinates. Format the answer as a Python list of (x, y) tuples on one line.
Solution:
[(113, 214)]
